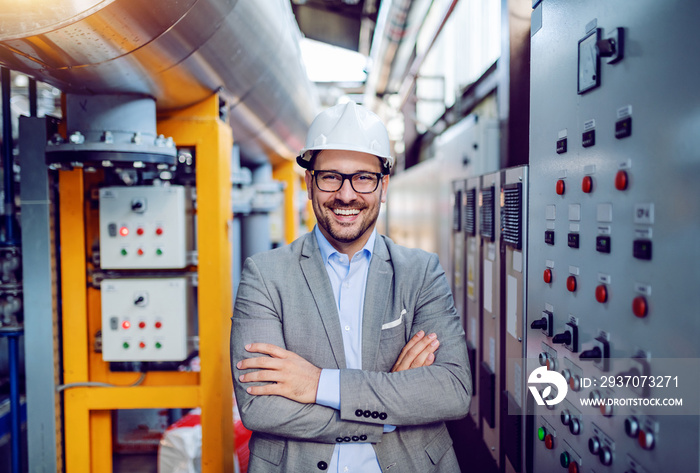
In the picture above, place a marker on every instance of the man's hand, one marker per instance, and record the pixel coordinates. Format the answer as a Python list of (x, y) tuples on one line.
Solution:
[(418, 352), (288, 374)]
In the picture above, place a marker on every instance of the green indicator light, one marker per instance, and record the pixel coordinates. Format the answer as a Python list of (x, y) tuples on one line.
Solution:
[(125, 345), (564, 459), (158, 345), (541, 432), (159, 252), (123, 252)]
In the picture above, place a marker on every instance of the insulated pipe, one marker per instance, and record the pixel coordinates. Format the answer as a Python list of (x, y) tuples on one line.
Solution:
[(179, 52), (8, 173)]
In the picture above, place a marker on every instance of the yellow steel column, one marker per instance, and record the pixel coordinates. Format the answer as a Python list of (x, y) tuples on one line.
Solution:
[(75, 330), (285, 172), (201, 127)]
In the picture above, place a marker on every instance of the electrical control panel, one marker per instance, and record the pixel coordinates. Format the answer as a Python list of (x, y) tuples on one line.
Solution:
[(145, 227), (613, 236), (472, 250), (147, 319), (457, 248), (489, 369)]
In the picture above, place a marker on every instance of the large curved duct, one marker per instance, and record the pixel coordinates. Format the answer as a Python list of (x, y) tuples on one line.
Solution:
[(179, 52)]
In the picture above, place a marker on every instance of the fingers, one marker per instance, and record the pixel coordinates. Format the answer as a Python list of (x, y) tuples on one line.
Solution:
[(267, 349), (417, 352)]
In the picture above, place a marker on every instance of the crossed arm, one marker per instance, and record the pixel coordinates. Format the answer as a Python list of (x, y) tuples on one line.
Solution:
[(291, 376)]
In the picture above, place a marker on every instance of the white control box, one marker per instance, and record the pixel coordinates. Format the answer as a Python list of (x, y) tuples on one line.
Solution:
[(145, 227), (147, 319)]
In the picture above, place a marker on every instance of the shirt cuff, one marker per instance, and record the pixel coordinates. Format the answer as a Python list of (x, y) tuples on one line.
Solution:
[(328, 393), (389, 428)]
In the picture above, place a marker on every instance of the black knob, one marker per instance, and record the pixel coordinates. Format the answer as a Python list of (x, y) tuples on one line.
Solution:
[(594, 354), (564, 338), (539, 324), (139, 300), (606, 47), (136, 205)]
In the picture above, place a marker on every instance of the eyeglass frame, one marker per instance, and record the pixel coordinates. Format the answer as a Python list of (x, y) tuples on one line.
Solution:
[(348, 177)]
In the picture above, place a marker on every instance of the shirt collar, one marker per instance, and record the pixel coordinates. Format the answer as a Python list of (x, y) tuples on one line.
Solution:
[(327, 249)]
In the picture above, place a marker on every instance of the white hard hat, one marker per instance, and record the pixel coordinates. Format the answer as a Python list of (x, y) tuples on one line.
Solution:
[(347, 126)]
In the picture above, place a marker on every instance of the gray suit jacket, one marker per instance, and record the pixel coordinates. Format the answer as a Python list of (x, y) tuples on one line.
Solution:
[(285, 298)]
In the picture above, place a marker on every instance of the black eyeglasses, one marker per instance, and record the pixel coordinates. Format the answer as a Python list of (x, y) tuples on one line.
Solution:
[(361, 182)]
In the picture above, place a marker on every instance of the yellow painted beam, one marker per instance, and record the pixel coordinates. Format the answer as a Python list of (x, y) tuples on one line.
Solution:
[(101, 451), (285, 172), (138, 397), (73, 279), (201, 127)]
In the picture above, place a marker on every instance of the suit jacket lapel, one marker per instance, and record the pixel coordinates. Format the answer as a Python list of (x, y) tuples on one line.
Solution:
[(379, 280), (320, 287)]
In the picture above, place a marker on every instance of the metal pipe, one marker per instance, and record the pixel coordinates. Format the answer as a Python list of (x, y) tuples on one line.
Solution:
[(15, 407), (8, 173), (412, 74), (177, 52), (32, 98)]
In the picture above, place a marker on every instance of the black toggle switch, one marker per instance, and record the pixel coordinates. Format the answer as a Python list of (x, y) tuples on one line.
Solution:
[(606, 47), (569, 337), (594, 354), (545, 323), (539, 324)]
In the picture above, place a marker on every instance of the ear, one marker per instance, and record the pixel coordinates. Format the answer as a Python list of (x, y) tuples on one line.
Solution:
[(308, 178), (385, 187)]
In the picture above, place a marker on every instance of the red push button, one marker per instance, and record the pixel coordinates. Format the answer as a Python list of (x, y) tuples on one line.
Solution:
[(142, 345), (549, 441), (159, 231), (646, 440), (571, 283), (587, 184), (139, 231), (548, 275), (159, 324), (639, 306), (142, 324), (561, 187), (573, 467), (601, 293), (621, 180), (139, 252)]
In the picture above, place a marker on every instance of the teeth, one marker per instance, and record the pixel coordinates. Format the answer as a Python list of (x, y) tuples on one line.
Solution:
[(346, 212)]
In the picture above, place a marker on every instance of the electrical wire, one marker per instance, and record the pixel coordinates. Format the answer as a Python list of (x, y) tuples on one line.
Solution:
[(92, 384)]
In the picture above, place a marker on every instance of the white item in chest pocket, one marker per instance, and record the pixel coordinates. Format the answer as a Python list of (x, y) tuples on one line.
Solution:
[(394, 323)]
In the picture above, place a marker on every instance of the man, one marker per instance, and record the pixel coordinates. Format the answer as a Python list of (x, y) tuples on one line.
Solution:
[(334, 338)]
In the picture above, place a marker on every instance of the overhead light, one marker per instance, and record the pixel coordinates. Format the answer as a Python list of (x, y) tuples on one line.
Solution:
[(327, 63)]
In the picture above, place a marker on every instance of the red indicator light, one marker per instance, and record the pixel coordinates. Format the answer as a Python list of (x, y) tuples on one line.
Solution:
[(549, 441), (139, 231), (159, 231), (621, 180), (601, 293), (571, 283), (123, 231), (587, 184), (159, 324), (548, 275), (126, 324), (639, 306), (561, 187), (142, 324)]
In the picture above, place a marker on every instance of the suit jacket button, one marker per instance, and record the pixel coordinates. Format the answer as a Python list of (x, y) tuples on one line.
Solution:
[(363, 437), (346, 439), (375, 414), (367, 413), (339, 439), (322, 465), (358, 413), (355, 438), (382, 416)]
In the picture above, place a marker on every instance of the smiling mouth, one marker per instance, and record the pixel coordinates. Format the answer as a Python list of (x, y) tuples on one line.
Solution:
[(346, 212)]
